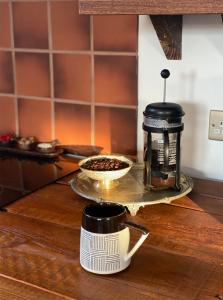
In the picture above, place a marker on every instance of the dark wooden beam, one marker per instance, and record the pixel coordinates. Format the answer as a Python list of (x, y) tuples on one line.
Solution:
[(151, 7), (169, 32)]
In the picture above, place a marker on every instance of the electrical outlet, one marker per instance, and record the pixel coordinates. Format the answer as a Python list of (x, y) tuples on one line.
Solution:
[(216, 125)]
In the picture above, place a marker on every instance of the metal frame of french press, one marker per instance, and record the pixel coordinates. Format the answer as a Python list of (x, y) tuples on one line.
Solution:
[(165, 132)]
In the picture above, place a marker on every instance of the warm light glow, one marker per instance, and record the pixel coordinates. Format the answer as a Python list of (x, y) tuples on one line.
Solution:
[(106, 184)]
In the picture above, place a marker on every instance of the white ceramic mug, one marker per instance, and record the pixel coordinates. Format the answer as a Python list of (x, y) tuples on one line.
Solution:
[(105, 238)]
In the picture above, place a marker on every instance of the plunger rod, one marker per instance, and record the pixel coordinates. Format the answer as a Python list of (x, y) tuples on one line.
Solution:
[(164, 91)]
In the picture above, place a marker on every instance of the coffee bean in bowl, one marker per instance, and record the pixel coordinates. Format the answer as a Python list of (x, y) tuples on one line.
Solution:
[(105, 167), (105, 164)]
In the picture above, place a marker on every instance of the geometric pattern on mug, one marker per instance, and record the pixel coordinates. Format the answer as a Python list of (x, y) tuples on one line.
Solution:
[(100, 253)]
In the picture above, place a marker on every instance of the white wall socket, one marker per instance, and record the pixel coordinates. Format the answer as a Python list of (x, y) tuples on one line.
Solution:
[(216, 125)]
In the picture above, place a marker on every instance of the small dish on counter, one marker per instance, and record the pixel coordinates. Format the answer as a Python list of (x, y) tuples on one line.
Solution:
[(26, 143), (105, 169), (80, 151), (46, 147)]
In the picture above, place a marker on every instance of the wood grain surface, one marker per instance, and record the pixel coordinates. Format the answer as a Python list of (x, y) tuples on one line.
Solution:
[(13, 289), (169, 32), (150, 7), (181, 259)]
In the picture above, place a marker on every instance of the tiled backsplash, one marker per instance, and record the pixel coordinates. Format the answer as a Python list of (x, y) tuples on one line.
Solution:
[(68, 76)]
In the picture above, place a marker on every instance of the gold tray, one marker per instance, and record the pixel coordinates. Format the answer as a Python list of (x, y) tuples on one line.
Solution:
[(130, 190)]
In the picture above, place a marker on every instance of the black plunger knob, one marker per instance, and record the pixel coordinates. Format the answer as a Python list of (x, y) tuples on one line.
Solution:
[(165, 73)]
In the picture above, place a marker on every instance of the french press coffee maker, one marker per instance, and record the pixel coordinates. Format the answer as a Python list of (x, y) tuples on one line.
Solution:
[(162, 132)]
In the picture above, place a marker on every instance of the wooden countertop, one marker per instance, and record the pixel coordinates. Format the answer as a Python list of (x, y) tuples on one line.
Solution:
[(181, 259)]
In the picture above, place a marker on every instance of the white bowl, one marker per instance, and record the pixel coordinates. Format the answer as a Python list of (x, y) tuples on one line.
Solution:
[(106, 175)]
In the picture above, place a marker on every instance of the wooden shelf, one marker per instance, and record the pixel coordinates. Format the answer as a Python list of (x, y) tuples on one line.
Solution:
[(151, 7), (169, 32)]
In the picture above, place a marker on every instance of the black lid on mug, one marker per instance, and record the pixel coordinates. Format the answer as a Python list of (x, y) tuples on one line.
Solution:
[(104, 217)]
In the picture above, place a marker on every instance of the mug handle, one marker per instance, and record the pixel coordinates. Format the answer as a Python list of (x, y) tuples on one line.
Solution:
[(144, 235)]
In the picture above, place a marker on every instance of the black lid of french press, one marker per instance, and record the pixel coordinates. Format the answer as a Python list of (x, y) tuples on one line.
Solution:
[(164, 110)]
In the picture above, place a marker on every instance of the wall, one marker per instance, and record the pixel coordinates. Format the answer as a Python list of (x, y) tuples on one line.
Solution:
[(196, 82), (67, 76)]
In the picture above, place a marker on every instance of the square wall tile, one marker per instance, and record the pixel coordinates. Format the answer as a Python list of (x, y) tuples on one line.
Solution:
[(69, 30), (73, 123), (35, 119), (116, 79), (115, 33), (32, 74), (7, 115), (30, 24), (5, 34), (115, 130), (6, 72), (72, 76)]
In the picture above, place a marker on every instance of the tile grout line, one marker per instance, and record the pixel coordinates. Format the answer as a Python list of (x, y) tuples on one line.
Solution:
[(69, 101), (12, 49), (77, 52), (92, 82), (49, 19), (16, 104), (137, 92), (116, 105), (115, 53)]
